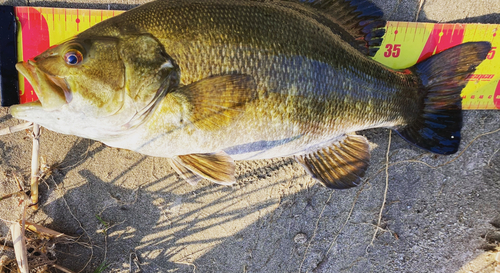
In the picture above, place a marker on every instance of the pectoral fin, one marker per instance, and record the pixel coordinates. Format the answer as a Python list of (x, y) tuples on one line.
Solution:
[(340, 165), (216, 101), (217, 167)]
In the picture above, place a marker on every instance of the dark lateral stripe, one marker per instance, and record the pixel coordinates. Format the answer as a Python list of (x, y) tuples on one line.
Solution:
[(9, 94)]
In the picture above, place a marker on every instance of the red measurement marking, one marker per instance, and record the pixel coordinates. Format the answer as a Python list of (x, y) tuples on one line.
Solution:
[(491, 54), (35, 41), (77, 21), (442, 37), (496, 99), (396, 31), (406, 30), (415, 34)]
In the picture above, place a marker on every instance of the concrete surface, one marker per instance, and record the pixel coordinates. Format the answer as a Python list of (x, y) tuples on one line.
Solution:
[(276, 218)]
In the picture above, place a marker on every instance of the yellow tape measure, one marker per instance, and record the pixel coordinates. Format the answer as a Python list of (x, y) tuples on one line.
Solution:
[(404, 45), (407, 43)]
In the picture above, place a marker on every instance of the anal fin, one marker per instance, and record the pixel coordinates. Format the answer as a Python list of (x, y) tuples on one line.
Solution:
[(340, 165), (216, 167)]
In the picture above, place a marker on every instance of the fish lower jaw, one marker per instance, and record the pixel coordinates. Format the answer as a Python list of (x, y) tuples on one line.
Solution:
[(19, 110)]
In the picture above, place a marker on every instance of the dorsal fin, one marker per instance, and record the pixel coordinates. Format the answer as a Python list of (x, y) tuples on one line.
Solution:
[(358, 22)]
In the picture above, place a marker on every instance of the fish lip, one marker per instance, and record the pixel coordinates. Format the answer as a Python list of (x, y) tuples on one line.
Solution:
[(29, 73), (49, 99)]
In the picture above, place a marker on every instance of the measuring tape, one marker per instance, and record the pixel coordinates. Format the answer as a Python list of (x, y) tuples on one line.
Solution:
[(404, 45), (407, 43)]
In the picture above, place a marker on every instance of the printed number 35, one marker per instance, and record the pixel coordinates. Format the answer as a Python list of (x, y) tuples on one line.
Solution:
[(392, 50)]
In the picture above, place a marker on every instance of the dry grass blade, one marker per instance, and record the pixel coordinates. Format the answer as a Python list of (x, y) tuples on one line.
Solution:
[(15, 128), (46, 231), (63, 269), (20, 247), (35, 166), (385, 192), (421, 3)]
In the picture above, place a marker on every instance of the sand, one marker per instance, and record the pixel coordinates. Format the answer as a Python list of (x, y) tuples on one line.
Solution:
[(137, 214)]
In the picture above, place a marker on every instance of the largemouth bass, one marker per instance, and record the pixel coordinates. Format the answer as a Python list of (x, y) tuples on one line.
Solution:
[(209, 82)]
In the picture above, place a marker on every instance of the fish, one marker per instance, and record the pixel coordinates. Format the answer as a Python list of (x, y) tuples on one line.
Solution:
[(208, 83)]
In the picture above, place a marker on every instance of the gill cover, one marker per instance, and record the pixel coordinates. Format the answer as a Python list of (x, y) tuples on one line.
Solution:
[(147, 67)]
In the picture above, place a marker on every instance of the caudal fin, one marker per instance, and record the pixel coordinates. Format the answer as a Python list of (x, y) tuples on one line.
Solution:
[(442, 77)]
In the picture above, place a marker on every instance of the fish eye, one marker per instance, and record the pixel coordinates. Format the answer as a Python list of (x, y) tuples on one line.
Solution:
[(73, 57)]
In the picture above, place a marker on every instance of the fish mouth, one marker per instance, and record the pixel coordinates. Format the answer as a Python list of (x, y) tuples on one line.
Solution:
[(52, 91)]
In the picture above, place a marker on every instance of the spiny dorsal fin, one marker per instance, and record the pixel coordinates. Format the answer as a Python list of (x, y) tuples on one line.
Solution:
[(358, 22), (216, 101), (340, 165), (216, 167)]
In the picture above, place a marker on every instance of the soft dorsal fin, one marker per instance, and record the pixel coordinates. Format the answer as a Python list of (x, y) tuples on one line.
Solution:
[(216, 167), (358, 22), (340, 165)]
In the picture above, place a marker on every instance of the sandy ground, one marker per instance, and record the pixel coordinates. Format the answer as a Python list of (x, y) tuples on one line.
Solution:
[(276, 218)]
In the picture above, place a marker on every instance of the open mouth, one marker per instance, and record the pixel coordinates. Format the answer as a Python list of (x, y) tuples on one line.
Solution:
[(52, 91)]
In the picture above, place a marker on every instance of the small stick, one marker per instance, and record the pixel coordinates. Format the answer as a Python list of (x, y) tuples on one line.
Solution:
[(18, 182), (10, 195), (15, 128), (35, 166)]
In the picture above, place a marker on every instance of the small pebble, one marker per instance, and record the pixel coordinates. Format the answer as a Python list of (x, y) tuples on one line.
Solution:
[(300, 238)]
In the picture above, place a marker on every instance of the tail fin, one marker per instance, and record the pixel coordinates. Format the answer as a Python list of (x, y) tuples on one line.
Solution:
[(442, 77)]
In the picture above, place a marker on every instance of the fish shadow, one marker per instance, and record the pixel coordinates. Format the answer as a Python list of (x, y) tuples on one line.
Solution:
[(274, 219), (159, 221)]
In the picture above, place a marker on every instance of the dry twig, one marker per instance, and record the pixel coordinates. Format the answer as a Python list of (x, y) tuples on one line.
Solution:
[(35, 166), (385, 191), (16, 128)]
